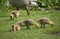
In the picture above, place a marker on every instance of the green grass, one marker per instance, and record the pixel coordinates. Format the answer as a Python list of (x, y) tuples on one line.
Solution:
[(33, 33)]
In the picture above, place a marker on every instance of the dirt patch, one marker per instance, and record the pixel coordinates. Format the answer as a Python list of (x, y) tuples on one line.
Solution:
[(56, 33)]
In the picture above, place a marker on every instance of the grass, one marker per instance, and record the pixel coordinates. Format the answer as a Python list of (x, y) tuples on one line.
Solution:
[(33, 33)]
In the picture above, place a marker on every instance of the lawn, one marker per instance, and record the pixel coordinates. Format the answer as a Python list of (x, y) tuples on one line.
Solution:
[(42, 33)]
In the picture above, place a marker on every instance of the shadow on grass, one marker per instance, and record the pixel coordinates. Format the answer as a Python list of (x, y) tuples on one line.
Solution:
[(4, 31), (4, 16), (8, 20), (55, 33)]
